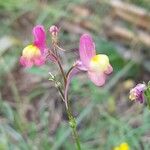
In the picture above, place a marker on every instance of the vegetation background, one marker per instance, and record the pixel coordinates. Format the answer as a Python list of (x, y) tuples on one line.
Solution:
[(32, 115)]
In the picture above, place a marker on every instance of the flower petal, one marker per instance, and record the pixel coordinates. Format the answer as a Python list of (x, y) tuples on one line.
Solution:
[(39, 37), (26, 62), (86, 49), (140, 87), (109, 69), (39, 61), (98, 78)]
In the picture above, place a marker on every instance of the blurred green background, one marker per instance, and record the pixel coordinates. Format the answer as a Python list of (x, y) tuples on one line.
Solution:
[(32, 115)]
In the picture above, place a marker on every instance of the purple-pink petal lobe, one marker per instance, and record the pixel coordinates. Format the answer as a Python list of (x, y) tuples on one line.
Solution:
[(25, 62), (86, 49), (109, 70), (98, 78), (39, 37)]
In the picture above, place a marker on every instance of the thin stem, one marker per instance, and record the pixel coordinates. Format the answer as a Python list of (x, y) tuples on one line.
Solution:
[(60, 48), (59, 63), (75, 134), (62, 71)]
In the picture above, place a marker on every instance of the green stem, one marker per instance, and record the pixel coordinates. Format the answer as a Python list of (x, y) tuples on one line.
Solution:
[(73, 125), (75, 134), (147, 96)]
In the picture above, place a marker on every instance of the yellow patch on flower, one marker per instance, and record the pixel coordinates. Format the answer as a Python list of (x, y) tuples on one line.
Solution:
[(31, 51), (99, 62), (122, 146), (132, 95)]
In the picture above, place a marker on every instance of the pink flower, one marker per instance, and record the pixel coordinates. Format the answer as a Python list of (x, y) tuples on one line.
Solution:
[(34, 54), (137, 93), (97, 66)]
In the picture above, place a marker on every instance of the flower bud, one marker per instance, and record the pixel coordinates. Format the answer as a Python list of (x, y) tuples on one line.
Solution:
[(54, 30)]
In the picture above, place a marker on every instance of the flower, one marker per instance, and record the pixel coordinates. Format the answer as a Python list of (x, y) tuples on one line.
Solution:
[(97, 66), (34, 54), (122, 146), (137, 93)]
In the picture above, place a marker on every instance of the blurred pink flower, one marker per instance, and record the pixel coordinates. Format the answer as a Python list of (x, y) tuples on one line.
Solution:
[(97, 66), (137, 93), (34, 54)]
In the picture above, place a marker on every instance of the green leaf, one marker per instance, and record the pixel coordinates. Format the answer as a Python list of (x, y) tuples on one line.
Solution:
[(6, 110), (147, 96)]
